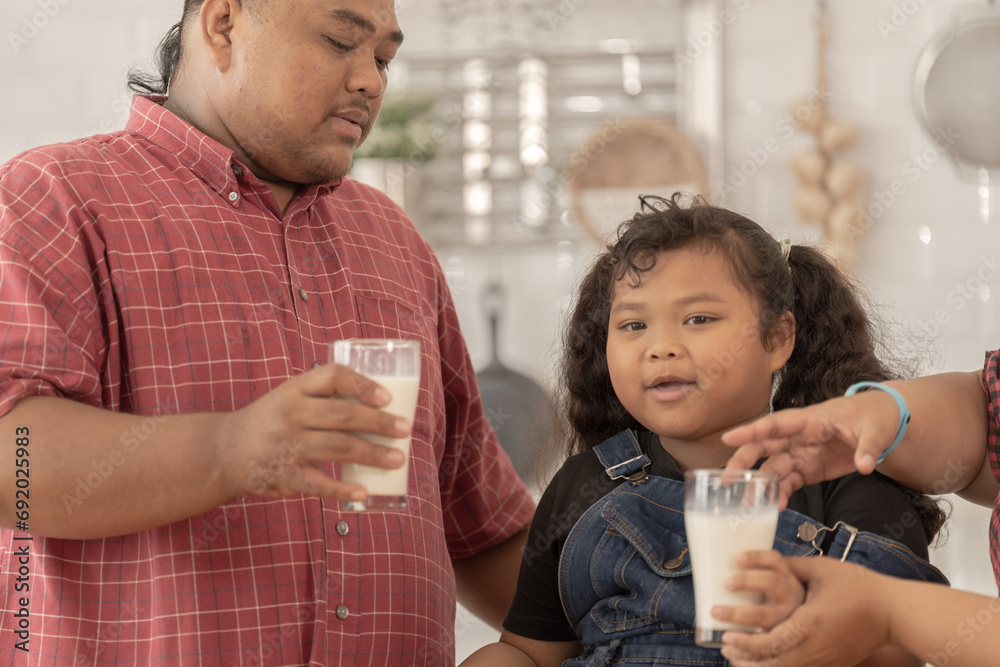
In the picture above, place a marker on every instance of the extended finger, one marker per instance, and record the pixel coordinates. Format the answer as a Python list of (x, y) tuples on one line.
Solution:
[(327, 446), (781, 589), (312, 481), (781, 639), (286, 474), (336, 380), (789, 485), (777, 425), (745, 457), (754, 615), (761, 559), (738, 658), (340, 414)]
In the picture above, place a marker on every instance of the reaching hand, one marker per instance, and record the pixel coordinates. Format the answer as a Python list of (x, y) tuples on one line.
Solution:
[(278, 445), (819, 442), (841, 622)]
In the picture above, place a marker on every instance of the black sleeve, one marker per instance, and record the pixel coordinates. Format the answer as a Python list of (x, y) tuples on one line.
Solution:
[(877, 505), (536, 611)]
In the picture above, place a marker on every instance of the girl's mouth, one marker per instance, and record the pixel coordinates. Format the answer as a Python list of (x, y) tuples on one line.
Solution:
[(670, 390)]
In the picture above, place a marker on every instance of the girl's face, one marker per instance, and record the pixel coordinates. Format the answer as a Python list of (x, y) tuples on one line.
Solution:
[(684, 348)]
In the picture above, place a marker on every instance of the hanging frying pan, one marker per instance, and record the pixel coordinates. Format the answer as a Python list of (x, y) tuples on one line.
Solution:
[(957, 89), (519, 410)]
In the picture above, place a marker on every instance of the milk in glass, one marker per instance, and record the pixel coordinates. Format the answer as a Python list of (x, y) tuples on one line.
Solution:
[(379, 481), (715, 540), (725, 514)]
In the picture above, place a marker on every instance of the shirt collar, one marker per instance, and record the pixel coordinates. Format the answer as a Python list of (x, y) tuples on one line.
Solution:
[(213, 162)]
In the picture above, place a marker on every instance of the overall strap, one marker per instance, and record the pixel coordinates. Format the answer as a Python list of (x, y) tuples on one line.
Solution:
[(622, 456), (800, 535)]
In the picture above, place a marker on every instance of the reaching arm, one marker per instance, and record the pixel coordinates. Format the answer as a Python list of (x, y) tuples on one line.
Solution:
[(944, 449), (850, 611), (95, 473)]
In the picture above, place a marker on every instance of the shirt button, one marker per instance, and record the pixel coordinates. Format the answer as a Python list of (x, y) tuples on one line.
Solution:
[(343, 528), (316, 365), (342, 612), (234, 196), (237, 170), (303, 294)]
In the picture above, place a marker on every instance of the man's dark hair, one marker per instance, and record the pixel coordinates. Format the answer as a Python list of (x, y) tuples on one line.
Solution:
[(167, 58)]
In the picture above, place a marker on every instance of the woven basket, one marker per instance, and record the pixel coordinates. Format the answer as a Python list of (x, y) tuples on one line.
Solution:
[(623, 161)]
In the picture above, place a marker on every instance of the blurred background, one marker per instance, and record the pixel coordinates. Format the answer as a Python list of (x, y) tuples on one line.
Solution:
[(517, 132)]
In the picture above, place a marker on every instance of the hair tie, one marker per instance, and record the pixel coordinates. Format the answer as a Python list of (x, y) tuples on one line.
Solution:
[(786, 248)]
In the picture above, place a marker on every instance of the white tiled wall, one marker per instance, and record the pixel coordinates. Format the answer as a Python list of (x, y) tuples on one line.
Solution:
[(872, 50), (62, 65)]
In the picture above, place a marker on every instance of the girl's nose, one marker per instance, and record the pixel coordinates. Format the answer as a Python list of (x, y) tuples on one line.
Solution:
[(665, 348)]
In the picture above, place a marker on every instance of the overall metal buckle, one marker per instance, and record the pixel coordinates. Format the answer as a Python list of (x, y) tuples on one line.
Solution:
[(809, 533)]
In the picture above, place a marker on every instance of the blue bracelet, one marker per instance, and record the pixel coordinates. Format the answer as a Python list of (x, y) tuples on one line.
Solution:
[(904, 412)]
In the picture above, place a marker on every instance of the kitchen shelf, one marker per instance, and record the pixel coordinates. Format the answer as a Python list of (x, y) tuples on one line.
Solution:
[(435, 188)]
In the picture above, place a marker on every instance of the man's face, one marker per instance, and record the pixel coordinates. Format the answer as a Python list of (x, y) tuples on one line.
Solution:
[(306, 83)]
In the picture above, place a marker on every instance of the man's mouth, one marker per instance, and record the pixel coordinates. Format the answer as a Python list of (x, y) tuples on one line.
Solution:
[(352, 122), (349, 127), (356, 116)]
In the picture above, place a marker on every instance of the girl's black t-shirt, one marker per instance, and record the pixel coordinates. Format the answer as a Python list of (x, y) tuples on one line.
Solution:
[(871, 503)]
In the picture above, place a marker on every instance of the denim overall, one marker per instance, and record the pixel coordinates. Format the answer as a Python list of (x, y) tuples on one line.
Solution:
[(625, 571)]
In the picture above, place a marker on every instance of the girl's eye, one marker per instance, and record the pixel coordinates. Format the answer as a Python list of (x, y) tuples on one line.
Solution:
[(633, 326), (699, 319)]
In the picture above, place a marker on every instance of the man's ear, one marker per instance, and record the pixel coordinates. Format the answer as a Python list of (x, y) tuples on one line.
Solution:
[(217, 18), (781, 340)]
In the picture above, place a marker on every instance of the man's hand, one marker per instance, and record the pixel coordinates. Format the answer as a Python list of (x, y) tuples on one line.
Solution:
[(278, 445)]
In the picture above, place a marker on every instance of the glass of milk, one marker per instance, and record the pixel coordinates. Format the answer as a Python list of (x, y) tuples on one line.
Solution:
[(725, 514), (394, 364)]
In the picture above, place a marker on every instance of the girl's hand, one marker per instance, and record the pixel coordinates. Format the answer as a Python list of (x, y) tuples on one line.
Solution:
[(843, 620), (766, 572)]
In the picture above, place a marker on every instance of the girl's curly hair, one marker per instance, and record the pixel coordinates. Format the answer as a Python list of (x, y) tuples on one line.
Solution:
[(835, 344)]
